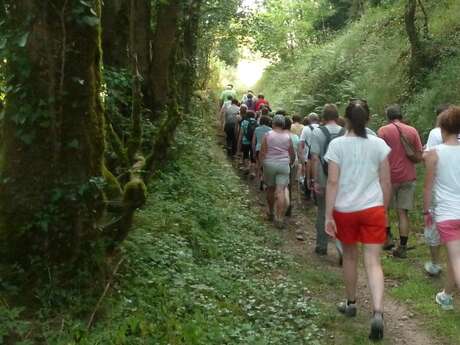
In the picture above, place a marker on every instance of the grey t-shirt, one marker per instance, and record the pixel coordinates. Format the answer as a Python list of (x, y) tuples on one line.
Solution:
[(318, 147), (230, 113)]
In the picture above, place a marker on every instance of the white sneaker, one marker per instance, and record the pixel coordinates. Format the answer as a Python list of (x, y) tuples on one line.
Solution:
[(445, 300), (432, 269)]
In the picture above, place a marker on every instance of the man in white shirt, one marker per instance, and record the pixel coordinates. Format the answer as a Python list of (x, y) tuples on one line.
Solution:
[(304, 151)]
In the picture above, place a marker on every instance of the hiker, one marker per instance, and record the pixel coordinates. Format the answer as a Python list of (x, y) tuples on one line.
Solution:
[(305, 153), (229, 125), (297, 126), (406, 151), (321, 138), (264, 128), (356, 207), (247, 129), (228, 91), (293, 181), (261, 101), (431, 234), (276, 154), (250, 101), (443, 180)]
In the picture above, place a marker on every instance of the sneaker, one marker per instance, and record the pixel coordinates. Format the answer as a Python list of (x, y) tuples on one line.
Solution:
[(389, 245), (349, 310), (376, 327), (445, 300), (321, 251), (400, 252), (432, 269)]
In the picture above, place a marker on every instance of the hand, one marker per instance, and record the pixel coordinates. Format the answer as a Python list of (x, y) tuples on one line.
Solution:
[(331, 228), (428, 220), (317, 188)]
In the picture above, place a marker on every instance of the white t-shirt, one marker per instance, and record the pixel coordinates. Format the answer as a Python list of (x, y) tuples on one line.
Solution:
[(359, 162), (306, 137), (434, 139), (447, 183)]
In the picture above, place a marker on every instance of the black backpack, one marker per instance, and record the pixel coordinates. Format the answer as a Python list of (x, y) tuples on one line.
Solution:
[(329, 138), (251, 129)]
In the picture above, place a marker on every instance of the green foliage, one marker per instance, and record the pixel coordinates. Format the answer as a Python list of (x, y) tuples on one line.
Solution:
[(370, 59), (198, 267)]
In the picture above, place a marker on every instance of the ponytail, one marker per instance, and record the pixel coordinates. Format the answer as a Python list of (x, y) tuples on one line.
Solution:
[(357, 113)]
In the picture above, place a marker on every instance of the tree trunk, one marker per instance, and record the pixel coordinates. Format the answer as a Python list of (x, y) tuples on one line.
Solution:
[(53, 130), (115, 23), (164, 49), (413, 36)]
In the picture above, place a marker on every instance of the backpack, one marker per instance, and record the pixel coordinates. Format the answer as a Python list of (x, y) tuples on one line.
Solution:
[(329, 138), (252, 125)]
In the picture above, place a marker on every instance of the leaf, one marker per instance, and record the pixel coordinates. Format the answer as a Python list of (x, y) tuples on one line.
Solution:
[(23, 40), (90, 20)]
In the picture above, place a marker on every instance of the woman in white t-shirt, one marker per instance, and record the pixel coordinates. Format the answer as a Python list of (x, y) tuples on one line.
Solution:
[(443, 181), (358, 192)]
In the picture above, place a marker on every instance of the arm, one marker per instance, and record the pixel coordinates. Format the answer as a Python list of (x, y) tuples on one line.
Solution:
[(291, 153), (385, 181), (222, 117), (314, 173), (240, 138), (431, 160), (418, 147), (253, 143), (331, 195), (263, 150)]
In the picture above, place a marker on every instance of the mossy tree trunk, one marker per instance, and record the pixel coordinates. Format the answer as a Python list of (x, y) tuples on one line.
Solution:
[(165, 41), (53, 130), (115, 21)]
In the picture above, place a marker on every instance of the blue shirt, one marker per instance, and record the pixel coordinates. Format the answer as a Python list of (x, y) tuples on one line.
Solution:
[(260, 133)]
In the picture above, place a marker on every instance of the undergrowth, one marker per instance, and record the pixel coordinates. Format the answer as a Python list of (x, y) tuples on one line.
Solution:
[(200, 268)]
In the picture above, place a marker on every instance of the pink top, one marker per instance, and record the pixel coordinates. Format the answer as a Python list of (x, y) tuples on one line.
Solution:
[(278, 145), (402, 168)]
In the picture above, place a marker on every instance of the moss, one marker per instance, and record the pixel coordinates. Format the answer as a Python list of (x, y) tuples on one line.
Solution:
[(135, 194), (112, 189)]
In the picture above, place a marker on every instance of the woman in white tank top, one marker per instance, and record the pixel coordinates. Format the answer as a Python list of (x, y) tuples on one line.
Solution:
[(443, 181)]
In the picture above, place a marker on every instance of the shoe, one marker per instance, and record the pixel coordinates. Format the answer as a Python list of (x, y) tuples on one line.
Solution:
[(270, 217), (376, 327), (321, 251), (289, 211), (389, 245), (432, 269), (400, 252), (349, 310), (445, 300), (279, 224)]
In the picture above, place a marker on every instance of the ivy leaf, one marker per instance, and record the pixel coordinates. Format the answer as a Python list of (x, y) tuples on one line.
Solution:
[(90, 20), (74, 144), (23, 40)]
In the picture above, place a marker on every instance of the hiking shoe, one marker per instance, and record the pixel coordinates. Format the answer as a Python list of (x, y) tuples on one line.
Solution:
[(432, 269), (389, 245), (321, 251), (445, 300), (270, 217), (400, 252), (376, 327), (289, 211), (279, 224), (346, 309)]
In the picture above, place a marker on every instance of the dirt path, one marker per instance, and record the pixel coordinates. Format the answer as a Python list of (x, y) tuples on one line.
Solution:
[(401, 325)]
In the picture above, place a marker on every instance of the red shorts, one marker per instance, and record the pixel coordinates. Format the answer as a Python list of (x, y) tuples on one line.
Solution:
[(449, 230), (367, 226)]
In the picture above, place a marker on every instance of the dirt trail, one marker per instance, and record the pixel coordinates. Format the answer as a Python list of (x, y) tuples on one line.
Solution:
[(401, 325)]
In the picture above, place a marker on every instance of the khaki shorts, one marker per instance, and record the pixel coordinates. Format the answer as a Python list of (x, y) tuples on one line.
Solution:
[(276, 174), (403, 195)]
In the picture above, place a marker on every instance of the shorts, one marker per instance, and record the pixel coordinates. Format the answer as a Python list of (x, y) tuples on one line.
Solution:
[(247, 152), (432, 237), (449, 230), (367, 226), (276, 174), (403, 195)]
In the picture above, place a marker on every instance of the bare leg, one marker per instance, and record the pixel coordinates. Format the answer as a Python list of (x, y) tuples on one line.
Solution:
[(434, 251), (374, 274), (403, 217), (450, 283), (453, 249), (271, 199), (350, 270), (280, 202)]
